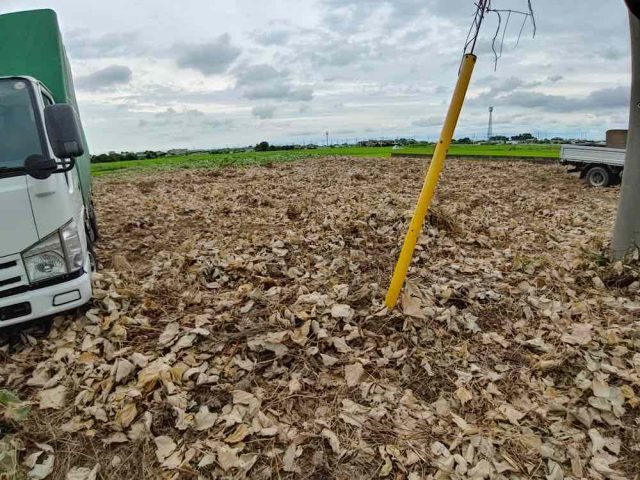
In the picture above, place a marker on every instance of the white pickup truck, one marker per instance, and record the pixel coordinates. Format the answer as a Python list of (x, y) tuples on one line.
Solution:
[(598, 166)]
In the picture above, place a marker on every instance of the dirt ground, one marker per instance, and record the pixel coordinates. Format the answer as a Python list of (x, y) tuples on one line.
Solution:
[(238, 330)]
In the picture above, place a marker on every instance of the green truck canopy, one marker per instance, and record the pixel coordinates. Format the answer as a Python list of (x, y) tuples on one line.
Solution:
[(31, 46)]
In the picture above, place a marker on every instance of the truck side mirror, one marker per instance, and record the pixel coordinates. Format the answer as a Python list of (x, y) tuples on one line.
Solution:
[(63, 129), (40, 167)]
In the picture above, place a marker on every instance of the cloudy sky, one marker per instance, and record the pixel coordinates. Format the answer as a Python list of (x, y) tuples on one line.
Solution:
[(215, 73)]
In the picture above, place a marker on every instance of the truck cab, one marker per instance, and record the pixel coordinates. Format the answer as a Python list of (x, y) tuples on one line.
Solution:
[(47, 225)]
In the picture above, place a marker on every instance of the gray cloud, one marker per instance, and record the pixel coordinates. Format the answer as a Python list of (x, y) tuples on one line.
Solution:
[(111, 76), (186, 120), (612, 52), (507, 85), (350, 16), (170, 115), (432, 121), (255, 74), (263, 82), (604, 99), (340, 54), (499, 87), (208, 58), (555, 78), (80, 44), (273, 37), (281, 91), (263, 112), (165, 95)]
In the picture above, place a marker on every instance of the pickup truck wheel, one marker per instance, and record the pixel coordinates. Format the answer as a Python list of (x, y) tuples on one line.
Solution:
[(598, 177), (617, 179)]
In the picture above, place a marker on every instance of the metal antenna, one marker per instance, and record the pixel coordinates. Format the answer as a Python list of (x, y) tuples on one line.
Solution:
[(472, 37), (485, 7)]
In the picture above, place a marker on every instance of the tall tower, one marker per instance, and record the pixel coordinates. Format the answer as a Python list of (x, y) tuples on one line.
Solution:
[(490, 128)]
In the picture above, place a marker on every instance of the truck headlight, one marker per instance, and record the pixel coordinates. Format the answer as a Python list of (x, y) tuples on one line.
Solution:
[(73, 246), (57, 254)]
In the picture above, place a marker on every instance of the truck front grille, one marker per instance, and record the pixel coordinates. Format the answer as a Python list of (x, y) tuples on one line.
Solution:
[(15, 311), (10, 281), (12, 273)]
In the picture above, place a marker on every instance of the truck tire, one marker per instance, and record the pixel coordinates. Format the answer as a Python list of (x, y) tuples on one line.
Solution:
[(93, 223), (617, 178), (598, 176), (93, 258)]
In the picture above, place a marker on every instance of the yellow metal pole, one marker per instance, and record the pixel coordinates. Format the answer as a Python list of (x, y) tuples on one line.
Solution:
[(431, 181)]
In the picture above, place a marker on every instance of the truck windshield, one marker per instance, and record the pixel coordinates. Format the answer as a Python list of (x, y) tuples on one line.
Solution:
[(19, 135)]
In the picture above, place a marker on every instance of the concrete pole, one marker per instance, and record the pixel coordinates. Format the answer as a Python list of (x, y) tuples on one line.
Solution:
[(626, 235)]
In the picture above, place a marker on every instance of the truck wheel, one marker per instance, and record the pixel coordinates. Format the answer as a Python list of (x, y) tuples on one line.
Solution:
[(93, 258), (93, 223), (617, 179), (598, 177)]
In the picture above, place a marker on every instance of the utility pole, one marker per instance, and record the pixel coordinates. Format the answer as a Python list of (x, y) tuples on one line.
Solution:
[(490, 129), (626, 235)]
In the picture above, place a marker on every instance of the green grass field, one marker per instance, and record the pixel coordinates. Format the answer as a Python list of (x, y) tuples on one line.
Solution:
[(262, 158), (532, 151)]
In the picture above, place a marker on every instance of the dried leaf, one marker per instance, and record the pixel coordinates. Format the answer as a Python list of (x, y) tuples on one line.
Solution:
[(124, 368), (386, 468), (334, 443), (340, 345), (580, 334), (126, 415), (328, 360), (43, 469), (463, 395), (511, 414), (239, 434), (53, 398), (342, 311), (288, 461), (165, 446), (227, 457), (353, 373), (83, 473), (169, 334), (204, 419), (600, 389)]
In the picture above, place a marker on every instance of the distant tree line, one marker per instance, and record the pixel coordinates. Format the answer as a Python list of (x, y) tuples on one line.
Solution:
[(526, 138), (265, 147), (123, 156), (387, 142)]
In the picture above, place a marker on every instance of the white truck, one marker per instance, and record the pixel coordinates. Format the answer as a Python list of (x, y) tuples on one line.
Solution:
[(47, 223), (598, 166)]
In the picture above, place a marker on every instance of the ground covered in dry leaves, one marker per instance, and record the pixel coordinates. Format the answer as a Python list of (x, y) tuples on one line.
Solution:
[(239, 331)]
